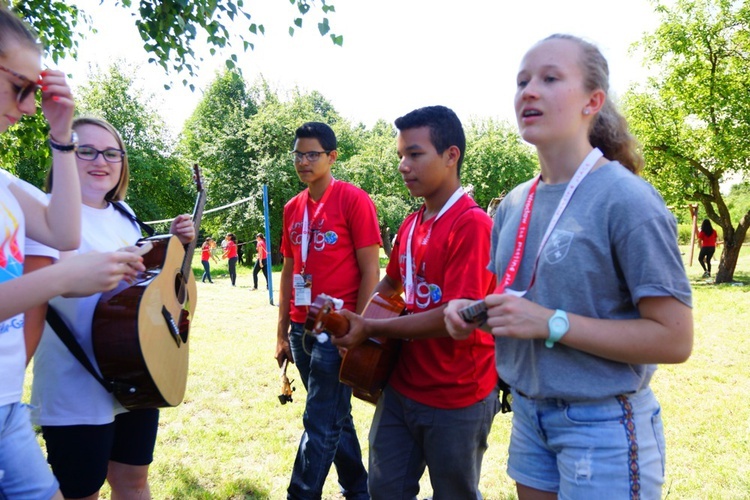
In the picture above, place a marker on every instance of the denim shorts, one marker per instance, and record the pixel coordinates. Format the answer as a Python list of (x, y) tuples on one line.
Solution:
[(24, 472), (605, 448)]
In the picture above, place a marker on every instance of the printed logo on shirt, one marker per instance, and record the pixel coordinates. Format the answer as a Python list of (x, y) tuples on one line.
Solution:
[(319, 238), (557, 246), (11, 259), (426, 294), (15, 323)]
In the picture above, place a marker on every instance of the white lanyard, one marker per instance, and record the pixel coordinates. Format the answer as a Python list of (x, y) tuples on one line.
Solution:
[(306, 224), (581, 172), (409, 279)]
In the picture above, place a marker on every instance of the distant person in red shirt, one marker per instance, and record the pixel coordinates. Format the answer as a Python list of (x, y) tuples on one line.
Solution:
[(261, 254), (707, 237), (230, 253), (330, 242), (439, 404), (206, 255)]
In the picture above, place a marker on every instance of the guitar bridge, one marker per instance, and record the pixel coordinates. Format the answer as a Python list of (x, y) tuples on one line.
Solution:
[(171, 325)]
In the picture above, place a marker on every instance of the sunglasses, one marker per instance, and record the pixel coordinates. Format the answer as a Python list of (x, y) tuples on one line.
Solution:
[(23, 92)]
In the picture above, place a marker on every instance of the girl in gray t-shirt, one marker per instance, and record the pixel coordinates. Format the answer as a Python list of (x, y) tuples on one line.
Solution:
[(592, 291)]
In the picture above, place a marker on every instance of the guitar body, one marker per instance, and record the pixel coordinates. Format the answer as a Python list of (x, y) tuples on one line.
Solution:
[(366, 367), (141, 331)]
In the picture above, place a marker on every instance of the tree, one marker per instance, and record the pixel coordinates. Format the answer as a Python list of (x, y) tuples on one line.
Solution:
[(169, 28), (496, 160), (374, 168), (160, 186), (215, 136), (694, 119)]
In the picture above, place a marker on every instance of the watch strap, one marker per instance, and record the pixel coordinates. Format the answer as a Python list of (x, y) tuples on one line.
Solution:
[(555, 334), (64, 147)]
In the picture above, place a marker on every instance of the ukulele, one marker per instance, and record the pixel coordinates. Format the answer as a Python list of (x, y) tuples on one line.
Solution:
[(141, 331), (366, 367)]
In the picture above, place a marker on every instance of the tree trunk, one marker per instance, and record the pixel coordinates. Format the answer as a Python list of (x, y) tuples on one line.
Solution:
[(733, 240), (728, 263)]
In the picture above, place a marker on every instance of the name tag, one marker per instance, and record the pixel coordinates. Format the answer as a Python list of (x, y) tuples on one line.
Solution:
[(302, 289)]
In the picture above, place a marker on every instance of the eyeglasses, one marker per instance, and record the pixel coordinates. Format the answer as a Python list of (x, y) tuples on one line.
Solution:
[(111, 155), (312, 156), (23, 92)]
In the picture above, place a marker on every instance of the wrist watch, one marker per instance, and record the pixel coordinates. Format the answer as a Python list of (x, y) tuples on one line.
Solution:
[(65, 148), (558, 326)]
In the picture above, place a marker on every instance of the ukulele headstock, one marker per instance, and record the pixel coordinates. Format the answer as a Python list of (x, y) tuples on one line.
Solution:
[(320, 311)]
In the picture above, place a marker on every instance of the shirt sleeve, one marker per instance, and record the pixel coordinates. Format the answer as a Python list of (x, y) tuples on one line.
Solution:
[(365, 229), (466, 268)]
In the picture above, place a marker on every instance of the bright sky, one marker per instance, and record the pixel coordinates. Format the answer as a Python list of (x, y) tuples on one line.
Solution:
[(397, 54)]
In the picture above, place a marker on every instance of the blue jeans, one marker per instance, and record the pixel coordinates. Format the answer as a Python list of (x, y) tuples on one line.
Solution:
[(25, 473), (206, 271), (606, 448), (329, 435), (406, 436)]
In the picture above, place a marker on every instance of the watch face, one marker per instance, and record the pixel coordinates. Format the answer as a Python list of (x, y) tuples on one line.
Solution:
[(558, 324)]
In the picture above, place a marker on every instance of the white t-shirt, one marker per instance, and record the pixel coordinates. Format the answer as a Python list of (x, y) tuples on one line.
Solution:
[(12, 347), (63, 391)]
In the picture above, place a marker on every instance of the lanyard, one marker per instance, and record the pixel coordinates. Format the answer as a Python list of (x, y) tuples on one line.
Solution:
[(523, 228), (411, 270), (306, 222)]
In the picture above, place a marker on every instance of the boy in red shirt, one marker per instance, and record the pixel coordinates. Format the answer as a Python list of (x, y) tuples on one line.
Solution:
[(330, 243), (440, 401)]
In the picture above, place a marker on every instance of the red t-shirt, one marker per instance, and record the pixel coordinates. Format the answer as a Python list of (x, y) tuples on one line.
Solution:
[(346, 222), (205, 253), (231, 249), (261, 249), (707, 241), (452, 264)]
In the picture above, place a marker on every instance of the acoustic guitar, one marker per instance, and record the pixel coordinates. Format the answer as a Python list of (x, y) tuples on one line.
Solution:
[(141, 332), (366, 367)]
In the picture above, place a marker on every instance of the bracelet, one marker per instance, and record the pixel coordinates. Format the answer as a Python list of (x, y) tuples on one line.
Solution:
[(65, 148)]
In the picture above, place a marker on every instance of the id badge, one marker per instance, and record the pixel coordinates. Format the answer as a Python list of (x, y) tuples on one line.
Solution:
[(302, 289)]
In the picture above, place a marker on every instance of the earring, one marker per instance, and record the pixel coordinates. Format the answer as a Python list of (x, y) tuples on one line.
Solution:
[(586, 111)]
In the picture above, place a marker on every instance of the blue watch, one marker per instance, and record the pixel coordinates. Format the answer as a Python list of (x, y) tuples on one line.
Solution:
[(558, 325)]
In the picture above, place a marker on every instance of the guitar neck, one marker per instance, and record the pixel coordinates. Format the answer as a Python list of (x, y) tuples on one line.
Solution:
[(190, 247)]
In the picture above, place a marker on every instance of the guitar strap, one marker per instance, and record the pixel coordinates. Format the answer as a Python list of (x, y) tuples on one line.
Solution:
[(61, 329), (145, 227)]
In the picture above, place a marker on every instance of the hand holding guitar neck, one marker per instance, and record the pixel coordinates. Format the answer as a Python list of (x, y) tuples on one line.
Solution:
[(367, 365)]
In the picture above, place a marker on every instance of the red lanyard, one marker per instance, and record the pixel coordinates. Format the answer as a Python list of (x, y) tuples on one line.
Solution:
[(523, 231), (523, 228)]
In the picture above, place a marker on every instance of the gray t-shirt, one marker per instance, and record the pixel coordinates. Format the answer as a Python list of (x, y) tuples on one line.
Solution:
[(615, 243)]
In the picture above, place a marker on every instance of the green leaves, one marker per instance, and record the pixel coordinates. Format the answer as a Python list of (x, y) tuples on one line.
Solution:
[(693, 121), (168, 28)]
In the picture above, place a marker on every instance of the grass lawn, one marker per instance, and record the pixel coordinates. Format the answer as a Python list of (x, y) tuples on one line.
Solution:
[(232, 439)]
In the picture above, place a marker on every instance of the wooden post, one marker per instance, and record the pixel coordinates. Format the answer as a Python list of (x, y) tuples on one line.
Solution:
[(694, 215)]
